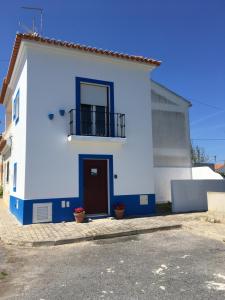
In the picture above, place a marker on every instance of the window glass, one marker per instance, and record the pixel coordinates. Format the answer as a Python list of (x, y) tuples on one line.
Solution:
[(100, 119), (7, 172), (86, 119), (14, 177), (16, 107)]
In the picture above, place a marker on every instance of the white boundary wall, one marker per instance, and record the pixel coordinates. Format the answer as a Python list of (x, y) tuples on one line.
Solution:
[(216, 202), (191, 195), (163, 178)]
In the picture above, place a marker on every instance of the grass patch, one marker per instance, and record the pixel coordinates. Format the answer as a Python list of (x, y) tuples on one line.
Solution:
[(3, 275)]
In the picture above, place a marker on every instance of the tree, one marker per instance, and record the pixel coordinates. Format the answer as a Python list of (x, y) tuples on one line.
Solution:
[(198, 155)]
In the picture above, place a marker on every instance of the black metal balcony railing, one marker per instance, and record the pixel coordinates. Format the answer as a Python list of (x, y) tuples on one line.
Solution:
[(96, 123)]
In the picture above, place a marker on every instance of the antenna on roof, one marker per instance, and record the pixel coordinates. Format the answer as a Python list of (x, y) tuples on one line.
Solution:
[(34, 29)]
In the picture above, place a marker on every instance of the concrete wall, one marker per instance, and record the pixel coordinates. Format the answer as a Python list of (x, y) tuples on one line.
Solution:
[(191, 195), (216, 202), (163, 178), (51, 160)]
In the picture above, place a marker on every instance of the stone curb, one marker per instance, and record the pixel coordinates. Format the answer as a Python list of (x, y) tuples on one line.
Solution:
[(93, 237)]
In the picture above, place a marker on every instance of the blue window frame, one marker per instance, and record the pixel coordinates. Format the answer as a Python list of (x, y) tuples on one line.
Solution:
[(16, 106), (109, 84), (14, 177)]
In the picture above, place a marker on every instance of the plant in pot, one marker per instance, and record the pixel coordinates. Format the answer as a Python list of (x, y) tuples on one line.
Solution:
[(119, 209), (79, 214)]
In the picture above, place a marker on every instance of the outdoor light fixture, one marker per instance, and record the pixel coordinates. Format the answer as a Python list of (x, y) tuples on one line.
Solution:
[(51, 116), (62, 112)]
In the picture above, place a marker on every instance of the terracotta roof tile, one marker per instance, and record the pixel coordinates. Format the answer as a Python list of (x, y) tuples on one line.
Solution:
[(44, 40), (219, 166)]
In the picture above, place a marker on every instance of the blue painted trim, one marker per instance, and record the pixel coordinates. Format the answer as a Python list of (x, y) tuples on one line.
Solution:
[(16, 104), (24, 213), (82, 157), (133, 207), (14, 177), (17, 212), (14, 109), (110, 84), (23, 209)]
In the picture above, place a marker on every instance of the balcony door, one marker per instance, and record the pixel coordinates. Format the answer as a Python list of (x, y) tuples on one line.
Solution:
[(94, 120), (94, 111)]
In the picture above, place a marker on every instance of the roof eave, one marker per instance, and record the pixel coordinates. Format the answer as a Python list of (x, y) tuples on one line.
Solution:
[(36, 38)]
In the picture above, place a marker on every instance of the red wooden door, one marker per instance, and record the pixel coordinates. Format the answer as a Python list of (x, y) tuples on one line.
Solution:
[(95, 186)]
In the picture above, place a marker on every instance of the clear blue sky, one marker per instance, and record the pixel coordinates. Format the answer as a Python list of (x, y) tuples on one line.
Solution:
[(188, 36)]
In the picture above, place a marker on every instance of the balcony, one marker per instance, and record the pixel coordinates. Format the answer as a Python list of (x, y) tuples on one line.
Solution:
[(96, 125)]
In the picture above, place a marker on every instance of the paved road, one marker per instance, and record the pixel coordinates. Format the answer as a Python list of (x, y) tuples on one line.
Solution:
[(163, 265)]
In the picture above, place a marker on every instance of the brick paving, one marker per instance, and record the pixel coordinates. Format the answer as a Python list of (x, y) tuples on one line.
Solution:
[(12, 232)]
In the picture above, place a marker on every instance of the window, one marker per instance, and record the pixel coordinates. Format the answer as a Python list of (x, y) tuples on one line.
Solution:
[(96, 99), (14, 177), (94, 109), (7, 172), (16, 102)]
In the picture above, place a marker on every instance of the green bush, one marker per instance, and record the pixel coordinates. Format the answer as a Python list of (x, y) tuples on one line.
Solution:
[(1, 191)]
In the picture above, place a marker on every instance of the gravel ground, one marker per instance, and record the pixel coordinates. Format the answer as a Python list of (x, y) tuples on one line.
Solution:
[(167, 265)]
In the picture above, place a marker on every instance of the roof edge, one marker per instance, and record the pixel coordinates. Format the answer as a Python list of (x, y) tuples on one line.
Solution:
[(53, 42), (163, 86)]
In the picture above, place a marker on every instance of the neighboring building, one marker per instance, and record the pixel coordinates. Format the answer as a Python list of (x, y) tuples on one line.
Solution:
[(205, 164), (220, 168), (201, 173), (78, 131), (171, 139)]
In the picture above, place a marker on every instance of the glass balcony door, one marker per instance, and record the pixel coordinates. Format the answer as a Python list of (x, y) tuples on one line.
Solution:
[(94, 120)]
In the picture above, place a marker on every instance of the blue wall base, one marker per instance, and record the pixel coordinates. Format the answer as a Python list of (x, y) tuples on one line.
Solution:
[(132, 205), (24, 213), (23, 209)]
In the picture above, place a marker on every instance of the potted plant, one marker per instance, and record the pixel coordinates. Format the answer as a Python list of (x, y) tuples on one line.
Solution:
[(119, 209), (79, 214)]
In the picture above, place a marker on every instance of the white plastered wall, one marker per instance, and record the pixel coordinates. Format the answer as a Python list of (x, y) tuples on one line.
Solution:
[(18, 131), (52, 161)]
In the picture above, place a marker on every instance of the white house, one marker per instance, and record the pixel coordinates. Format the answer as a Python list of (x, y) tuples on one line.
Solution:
[(86, 127), (78, 131)]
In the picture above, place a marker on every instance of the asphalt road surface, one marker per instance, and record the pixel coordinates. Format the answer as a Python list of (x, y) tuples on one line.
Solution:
[(163, 265)]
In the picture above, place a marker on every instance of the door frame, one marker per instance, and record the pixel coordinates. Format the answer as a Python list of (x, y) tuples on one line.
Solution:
[(109, 159)]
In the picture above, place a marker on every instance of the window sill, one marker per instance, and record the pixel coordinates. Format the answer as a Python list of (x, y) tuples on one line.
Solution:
[(96, 139)]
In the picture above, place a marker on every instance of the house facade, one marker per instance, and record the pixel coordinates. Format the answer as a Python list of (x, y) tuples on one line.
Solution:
[(78, 131)]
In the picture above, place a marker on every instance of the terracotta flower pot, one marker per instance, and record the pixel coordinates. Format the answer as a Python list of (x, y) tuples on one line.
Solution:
[(119, 213), (79, 217)]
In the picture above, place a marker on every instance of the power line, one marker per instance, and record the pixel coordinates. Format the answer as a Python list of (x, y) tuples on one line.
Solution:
[(208, 105), (207, 139)]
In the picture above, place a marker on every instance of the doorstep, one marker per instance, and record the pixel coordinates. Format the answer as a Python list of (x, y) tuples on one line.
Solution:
[(50, 234)]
